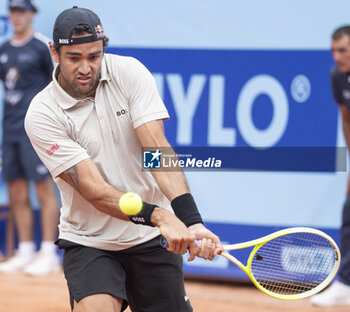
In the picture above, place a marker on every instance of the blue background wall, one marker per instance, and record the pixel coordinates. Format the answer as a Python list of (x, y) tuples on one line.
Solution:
[(250, 74)]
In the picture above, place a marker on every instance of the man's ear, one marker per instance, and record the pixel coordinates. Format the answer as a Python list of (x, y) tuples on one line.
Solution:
[(54, 53)]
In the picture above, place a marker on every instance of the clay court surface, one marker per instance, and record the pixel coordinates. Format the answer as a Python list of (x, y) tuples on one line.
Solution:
[(21, 293)]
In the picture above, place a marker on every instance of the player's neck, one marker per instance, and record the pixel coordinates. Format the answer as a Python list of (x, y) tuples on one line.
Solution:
[(23, 36)]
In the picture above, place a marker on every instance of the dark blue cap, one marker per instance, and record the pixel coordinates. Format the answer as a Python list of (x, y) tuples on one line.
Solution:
[(26, 5), (69, 19)]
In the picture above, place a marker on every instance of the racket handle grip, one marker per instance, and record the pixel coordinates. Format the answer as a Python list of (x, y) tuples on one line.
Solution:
[(164, 243)]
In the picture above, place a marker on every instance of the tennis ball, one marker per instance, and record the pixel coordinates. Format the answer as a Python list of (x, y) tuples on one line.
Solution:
[(130, 203)]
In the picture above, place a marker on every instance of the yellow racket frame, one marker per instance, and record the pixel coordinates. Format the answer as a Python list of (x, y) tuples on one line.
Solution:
[(260, 241)]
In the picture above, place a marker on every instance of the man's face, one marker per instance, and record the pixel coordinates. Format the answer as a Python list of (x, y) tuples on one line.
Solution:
[(21, 20), (341, 53), (80, 67)]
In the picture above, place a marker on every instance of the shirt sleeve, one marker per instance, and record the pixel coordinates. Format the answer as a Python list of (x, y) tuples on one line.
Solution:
[(145, 103), (51, 141)]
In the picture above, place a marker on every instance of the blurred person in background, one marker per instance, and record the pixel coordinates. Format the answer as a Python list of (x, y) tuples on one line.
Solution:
[(339, 292), (25, 69)]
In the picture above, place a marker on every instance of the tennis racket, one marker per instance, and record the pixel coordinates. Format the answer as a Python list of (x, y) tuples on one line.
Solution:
[(289, 264)]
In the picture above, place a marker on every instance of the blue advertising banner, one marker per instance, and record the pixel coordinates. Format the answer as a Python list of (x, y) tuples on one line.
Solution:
[(274, 104), (244, 98)]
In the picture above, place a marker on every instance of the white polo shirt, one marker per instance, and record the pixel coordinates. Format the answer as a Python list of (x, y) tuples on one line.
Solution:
[(65, 131)]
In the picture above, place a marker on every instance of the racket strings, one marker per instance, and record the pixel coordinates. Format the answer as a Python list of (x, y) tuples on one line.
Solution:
[(299, 268), (294, 263), (299, 284)]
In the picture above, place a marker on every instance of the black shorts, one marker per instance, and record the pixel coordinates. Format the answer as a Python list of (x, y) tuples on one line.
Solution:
[(147, 277)]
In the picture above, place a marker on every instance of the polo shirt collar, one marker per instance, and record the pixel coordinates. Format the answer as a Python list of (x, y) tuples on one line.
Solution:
[(104, 71), (63, 98)]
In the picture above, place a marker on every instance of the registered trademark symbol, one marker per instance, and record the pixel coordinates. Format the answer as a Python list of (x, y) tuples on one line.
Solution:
[(300, 88)]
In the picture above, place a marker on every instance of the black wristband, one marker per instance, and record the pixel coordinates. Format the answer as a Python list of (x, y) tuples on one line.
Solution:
[(186, 210), (144, 216)]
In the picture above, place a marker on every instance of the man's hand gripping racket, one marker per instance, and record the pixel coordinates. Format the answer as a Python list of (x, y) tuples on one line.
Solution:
[(290, 264)]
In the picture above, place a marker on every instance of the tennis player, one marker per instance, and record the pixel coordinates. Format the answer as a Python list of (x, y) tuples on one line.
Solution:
[(88, 127), (339, 292)]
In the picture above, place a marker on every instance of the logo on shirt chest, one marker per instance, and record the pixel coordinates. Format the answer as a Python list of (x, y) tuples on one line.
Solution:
[(122, 112)]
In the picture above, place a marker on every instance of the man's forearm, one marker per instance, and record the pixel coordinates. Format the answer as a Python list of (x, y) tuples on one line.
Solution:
[(171, 183), (174, 186), (87, 180)]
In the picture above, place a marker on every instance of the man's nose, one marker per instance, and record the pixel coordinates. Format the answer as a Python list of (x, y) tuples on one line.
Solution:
[(84, 67)]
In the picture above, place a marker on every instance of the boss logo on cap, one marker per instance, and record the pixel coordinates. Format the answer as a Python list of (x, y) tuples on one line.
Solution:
[(99, 31), (63, 41)]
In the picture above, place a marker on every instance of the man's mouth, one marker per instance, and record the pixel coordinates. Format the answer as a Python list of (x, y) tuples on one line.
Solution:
[(84, 80)]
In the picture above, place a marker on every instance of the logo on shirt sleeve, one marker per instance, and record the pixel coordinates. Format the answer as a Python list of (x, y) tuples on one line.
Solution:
[(53, 149)]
